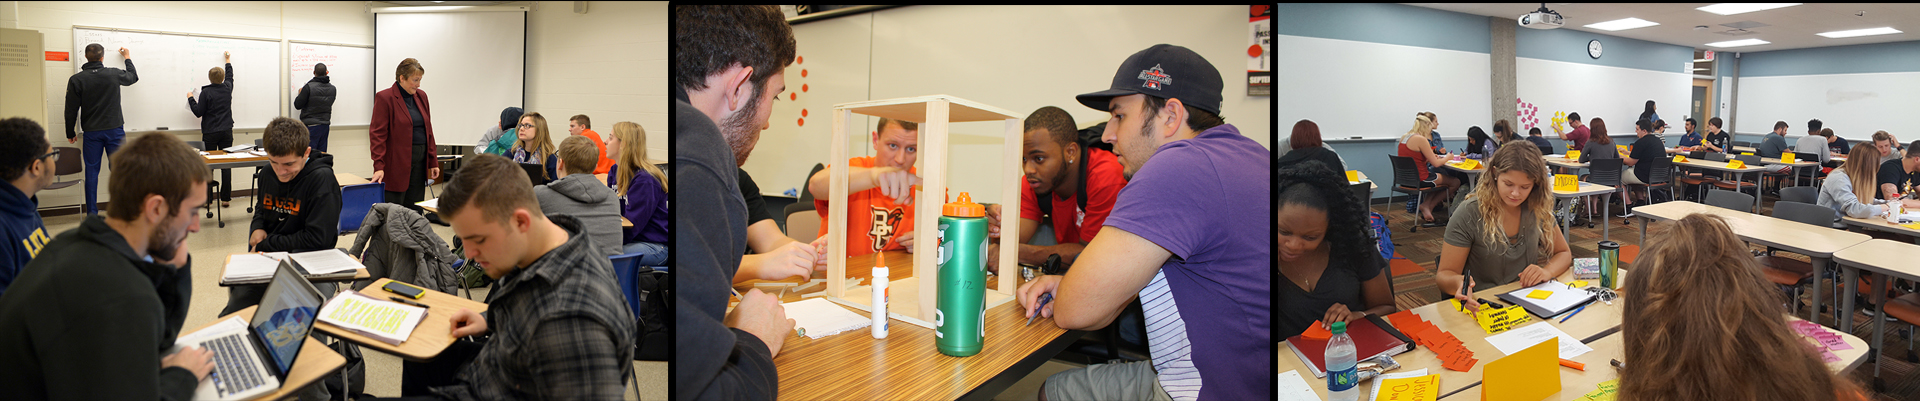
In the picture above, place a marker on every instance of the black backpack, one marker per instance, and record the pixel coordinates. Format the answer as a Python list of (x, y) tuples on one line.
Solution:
[(1089, 140), (651, 335)]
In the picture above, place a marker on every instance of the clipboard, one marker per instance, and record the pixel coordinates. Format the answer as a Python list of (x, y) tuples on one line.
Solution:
[(1542, 311)]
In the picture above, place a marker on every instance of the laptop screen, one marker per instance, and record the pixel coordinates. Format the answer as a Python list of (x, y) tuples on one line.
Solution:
[(286, 315), (536, 173)]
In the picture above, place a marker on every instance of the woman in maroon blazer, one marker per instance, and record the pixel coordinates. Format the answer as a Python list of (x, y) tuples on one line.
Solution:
[(402, 136)]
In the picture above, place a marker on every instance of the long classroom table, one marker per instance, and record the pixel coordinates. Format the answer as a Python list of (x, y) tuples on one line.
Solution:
[(1887, 258), (1818, 243)]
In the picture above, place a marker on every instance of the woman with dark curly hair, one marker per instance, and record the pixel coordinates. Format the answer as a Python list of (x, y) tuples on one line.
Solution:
[(1330, 263)]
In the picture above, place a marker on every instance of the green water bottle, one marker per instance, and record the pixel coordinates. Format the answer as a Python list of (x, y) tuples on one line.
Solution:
[(960, 310)]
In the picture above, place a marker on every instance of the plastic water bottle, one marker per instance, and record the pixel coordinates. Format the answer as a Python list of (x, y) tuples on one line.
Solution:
[(1343, 381)]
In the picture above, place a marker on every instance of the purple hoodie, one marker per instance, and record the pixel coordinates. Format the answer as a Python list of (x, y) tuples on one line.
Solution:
[(644, 204)]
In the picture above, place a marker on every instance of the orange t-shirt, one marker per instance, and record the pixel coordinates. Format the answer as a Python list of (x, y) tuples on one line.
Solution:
[(606, 163), (874, 221)]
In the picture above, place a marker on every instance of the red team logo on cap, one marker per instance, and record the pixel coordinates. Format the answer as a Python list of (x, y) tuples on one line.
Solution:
[(1154, 78)]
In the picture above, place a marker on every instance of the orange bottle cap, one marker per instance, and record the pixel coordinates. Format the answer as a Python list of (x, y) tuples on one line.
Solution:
[(964, 207)]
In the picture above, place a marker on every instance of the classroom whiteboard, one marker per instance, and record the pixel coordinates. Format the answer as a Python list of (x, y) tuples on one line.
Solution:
[(1372, 90), (351, 72), (1853, 105), (475, 66), (1616, 95), (172, 64)]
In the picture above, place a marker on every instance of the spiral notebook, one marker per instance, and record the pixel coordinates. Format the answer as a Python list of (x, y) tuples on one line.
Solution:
[(821, 318)]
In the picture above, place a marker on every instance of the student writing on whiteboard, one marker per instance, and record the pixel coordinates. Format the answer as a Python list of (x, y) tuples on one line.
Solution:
[(316, 106), (879, 191), (94, 95), (732, 64), (402, 137), (1189, 237), (215, 109)]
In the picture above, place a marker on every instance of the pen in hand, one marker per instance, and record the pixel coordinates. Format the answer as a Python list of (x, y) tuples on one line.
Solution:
[(1042, 303)]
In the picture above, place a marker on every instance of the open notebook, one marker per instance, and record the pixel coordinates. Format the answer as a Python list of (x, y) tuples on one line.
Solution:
[(257, 268)]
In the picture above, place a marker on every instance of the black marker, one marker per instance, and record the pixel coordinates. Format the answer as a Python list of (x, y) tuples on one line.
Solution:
[(410, 302)]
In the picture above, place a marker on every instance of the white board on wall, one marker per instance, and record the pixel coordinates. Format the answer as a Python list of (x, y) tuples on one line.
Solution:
[(171, 64), (349, 69), (1372, 90), (475, 62), (1617, 95), (1854, 105)]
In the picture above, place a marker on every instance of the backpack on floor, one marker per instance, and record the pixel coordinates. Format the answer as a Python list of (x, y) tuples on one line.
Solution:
[(1383, 236), (651, 342)]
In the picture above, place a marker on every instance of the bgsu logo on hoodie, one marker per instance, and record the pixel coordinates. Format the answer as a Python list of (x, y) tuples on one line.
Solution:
[(281, 204)]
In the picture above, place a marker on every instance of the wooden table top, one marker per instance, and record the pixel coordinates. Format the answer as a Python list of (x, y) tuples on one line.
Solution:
[(1881, 224), (1586, 188), (234, 160), (1563, 161), (1807, 239), (1883, 256), (427, 340), (359, 274), (854, 365), (315, 360)]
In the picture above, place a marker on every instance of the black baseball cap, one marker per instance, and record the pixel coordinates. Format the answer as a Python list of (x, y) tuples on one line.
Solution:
[(1165, 71)]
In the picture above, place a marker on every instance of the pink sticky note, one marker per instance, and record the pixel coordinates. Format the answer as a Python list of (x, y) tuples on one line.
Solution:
[(1834, 342), (1828, 357)]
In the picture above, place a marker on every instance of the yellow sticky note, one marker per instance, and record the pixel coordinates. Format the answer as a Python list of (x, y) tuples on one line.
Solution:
[(1353, 175), (1578, 284), (1622, 149), (1531, 374), (1573, 155), (1679, 158), (1422, 388), (1747, 153), (1566, 182), (1470, 164), (1539, 294), (1787, 157), (1736, 164)]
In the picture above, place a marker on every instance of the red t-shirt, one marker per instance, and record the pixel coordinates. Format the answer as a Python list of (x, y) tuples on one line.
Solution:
[(1104, 178), (606, 163), (874, 222)]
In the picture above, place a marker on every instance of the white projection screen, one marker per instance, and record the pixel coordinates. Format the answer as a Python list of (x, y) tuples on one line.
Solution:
[(475, 62)]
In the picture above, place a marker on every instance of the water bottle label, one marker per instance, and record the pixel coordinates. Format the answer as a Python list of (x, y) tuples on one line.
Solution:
[(939, 321), (1338, 381)]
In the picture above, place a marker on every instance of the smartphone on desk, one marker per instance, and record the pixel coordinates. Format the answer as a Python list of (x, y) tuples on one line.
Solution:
[(404, 290)]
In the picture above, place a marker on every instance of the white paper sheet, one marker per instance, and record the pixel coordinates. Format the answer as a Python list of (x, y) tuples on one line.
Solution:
[(1563, 296), (249, 267), (823, 318), (326, 261), (1519, 339), (430, 203), (1293, 388)]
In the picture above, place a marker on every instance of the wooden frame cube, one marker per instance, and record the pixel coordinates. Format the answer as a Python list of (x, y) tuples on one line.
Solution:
[(933, 112)]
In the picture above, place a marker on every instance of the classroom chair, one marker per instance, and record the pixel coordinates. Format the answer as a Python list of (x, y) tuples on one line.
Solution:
[(213, 187), (1789, 273), (1697, 180), (1660, 177), (70, 163), (1800, 194), (1605, 172), (355, 201), (1362, 192), (1815, 174), (803, 223), (1406, 180), (1729, 200), (1906, 308)]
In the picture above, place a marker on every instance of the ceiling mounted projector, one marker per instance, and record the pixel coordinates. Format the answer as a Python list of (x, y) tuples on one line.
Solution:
[(1542, 19)]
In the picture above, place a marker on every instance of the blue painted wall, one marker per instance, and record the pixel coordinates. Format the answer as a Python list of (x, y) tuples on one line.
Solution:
[(1387, 23), (1855, 59), (1571, 46)]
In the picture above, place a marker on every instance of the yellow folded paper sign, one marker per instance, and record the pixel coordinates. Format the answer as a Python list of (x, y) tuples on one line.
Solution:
[(1421, 388), (1573, 155), (1787, 157), (1679, 158), (1736, 164), (1531, 374), (1566, 182), (1470, 164), (1494, 318), (1353, 175)]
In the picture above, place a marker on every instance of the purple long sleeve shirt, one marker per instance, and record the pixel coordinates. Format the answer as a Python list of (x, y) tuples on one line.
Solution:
[(644, 204)]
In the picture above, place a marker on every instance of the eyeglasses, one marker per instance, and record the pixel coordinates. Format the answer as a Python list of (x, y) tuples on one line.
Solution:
[(51, 157), (524, 125)]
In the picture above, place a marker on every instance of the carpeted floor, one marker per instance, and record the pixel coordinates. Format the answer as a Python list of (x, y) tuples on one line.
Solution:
[(1414, 287)]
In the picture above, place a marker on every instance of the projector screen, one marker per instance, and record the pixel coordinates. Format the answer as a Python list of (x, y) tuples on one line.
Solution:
[(475, 63)]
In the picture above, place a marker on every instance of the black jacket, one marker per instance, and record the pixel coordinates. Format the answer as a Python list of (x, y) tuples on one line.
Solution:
[(302, 215), (94, 94), (714, 361), (89, 319), (316, 101), (216, 108)]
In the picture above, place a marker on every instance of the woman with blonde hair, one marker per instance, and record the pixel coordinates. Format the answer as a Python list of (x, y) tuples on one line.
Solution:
[(1712, 327), (1849, 190), (534, 145), (643, 193), (1504, 229), (1414, 145)]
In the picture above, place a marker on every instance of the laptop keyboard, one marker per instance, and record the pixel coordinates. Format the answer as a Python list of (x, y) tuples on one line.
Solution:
[(231, 373)]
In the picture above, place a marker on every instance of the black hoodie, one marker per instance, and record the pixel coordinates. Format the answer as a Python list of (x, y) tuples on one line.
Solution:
[(301, 215), (93, 95), (89, 319)]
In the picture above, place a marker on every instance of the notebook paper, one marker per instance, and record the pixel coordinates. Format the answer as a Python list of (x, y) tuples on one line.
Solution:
[(389, 322), (822, 318)]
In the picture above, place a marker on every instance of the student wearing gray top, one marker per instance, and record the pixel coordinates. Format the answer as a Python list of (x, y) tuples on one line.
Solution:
[(577, 193), (1849, 189), (1815, 142), (1599, 145), (1773, 145), (1504, 232)]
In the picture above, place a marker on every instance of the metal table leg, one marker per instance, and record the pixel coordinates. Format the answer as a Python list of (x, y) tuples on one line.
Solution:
[(1852, 276), (1879, 323), (1819, 265), (1605, 203), (1756, 190)]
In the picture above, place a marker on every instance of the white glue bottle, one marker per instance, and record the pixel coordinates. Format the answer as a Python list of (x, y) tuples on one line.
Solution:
[(880, 296)]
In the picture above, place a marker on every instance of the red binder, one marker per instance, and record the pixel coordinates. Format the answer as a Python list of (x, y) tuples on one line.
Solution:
[(1372, 337)]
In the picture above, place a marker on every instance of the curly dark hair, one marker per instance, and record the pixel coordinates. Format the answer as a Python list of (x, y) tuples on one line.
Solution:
[(711, 38), (1313, 185)]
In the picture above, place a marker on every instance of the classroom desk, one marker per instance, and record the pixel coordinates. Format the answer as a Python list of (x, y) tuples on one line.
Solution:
[(228, 164), (427, 340), (1818, 243), (1877, 256), (359, 274), (1563, 162), (1881, 224), (905, 365), (1722, 166), (1586, 189), (1596, 322), (1473, 176), (346, 179), (623, 219), (315, 360), (1797, 164), (1363, 178)]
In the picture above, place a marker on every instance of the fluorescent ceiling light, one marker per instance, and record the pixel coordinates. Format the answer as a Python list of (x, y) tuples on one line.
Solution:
[(1738, 8), (1622, 24), (1701, 60), (1738, 43), (1860, 32)]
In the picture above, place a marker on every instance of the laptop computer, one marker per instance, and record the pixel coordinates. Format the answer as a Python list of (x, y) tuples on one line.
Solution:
[(535, 172), (255, 360)]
